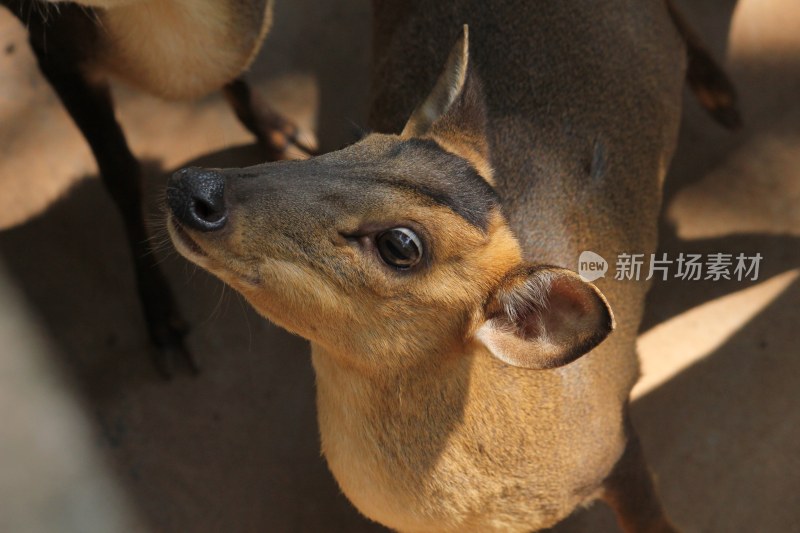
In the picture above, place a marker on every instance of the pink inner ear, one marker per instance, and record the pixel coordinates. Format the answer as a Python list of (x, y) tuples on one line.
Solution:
[(569, 305), (566, 304), (568, 296), (533, 326)]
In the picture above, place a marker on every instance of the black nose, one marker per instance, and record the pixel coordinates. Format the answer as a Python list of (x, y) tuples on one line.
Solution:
[(196, 197)]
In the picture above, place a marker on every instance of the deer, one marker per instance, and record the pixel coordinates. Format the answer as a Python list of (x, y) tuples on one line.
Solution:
[(468, 380), (174, 49)]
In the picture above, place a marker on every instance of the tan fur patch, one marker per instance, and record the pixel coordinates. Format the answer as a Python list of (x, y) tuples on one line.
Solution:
[(468, 152), (182, 48)]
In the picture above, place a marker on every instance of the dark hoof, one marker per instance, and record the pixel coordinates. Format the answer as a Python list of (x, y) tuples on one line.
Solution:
[(277, 136), (275, 133)]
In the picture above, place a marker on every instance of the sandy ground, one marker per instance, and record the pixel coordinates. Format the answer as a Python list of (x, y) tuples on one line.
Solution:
[(92, 439)]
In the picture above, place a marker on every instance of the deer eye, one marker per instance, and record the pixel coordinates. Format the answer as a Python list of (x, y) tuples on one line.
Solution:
[(399, 247)]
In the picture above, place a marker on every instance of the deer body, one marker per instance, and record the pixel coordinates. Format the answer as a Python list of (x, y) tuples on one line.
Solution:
[(579, 166), (465, 381), (179, 48)]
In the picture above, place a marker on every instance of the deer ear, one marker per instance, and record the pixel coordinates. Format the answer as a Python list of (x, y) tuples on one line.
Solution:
[(454, 113), (544, 317)]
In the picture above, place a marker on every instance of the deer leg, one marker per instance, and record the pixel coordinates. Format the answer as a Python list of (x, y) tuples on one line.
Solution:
[(631, 492), (274, 132), (90, 106)]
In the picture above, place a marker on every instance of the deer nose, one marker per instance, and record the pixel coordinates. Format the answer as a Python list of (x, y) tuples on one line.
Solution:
[(196, 197)]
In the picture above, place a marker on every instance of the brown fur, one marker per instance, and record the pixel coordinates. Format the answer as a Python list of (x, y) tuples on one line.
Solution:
[(467, 137), (179, 48), (431, 416), (579, 148)]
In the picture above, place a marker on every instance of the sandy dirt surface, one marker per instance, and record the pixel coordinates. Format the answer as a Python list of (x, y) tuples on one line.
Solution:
[(88, 424)]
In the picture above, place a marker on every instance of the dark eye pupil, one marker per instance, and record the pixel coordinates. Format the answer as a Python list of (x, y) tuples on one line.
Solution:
[(399, 247)]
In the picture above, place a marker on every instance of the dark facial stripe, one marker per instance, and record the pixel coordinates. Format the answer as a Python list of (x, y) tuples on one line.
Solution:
[(444, 178), (418, 166)]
